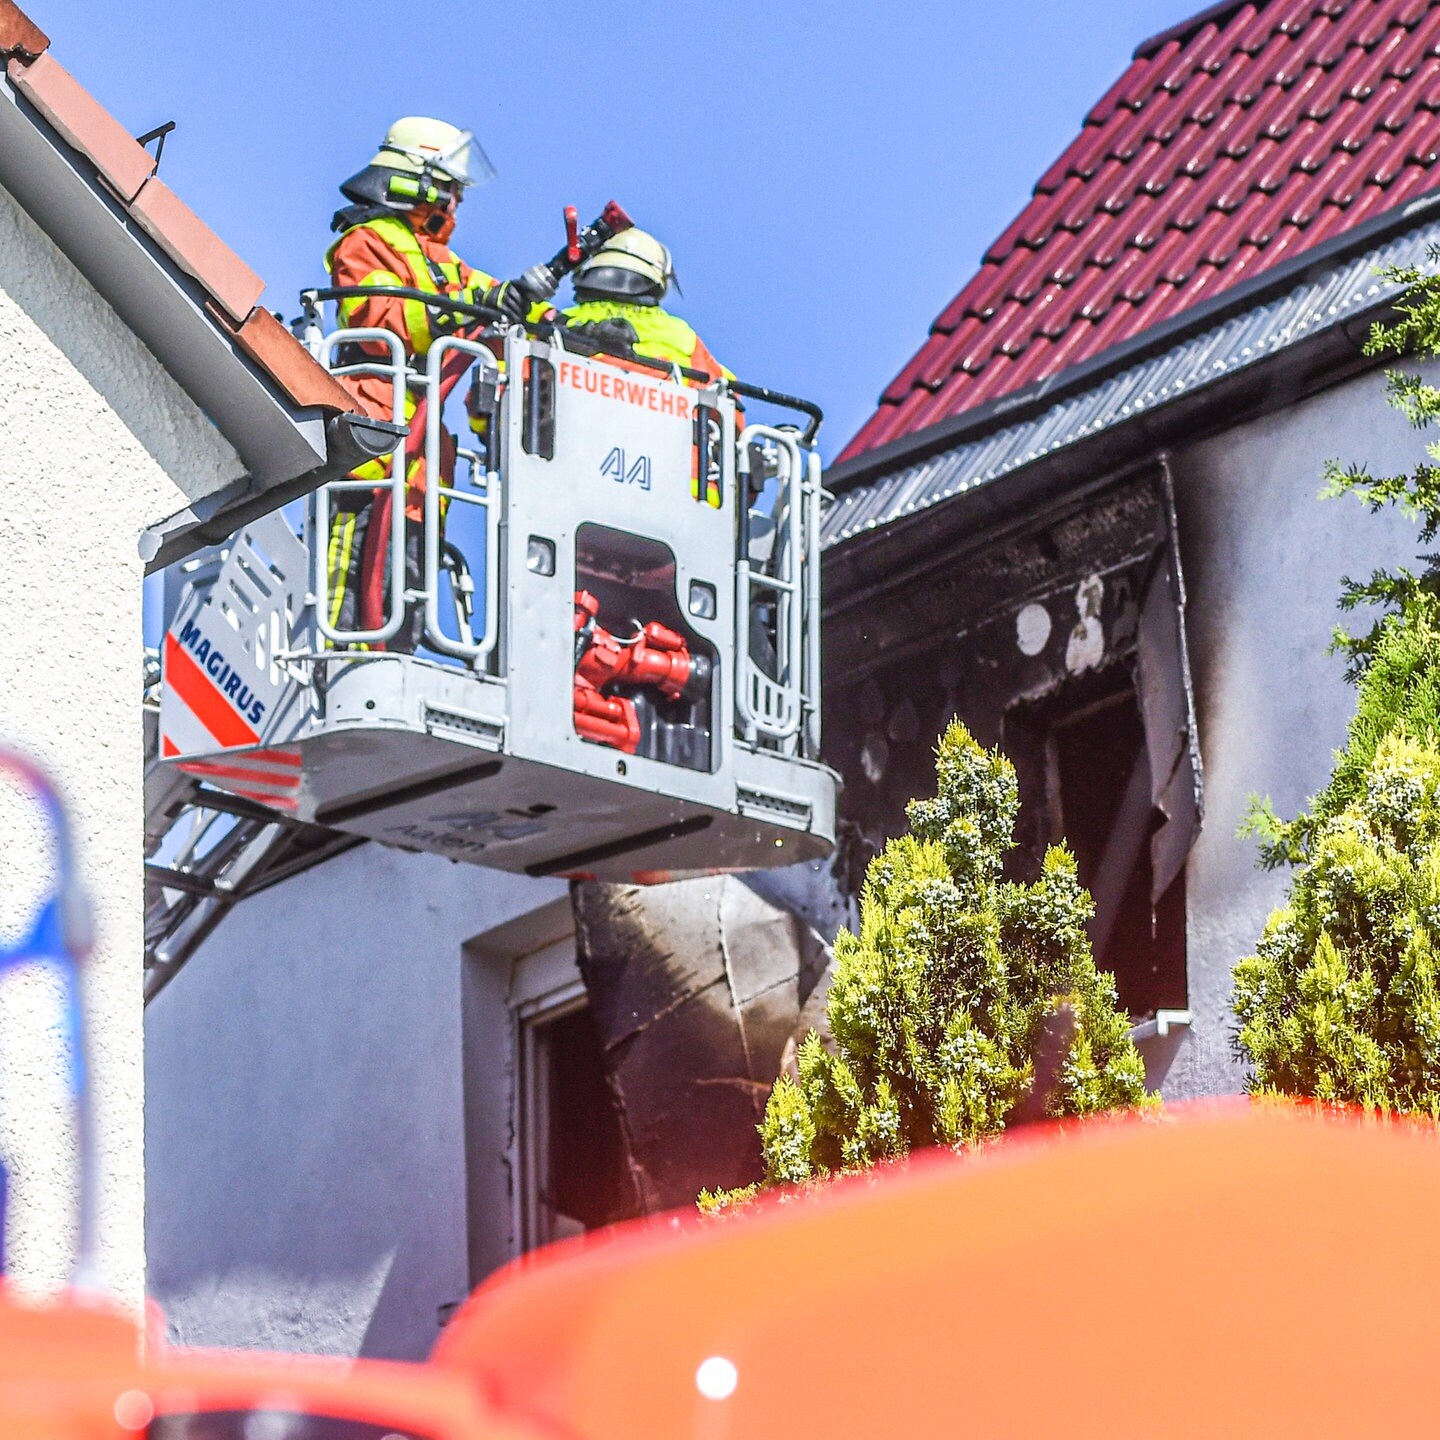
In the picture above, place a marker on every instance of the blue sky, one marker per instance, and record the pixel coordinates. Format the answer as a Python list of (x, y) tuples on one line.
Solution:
[(827, 176)]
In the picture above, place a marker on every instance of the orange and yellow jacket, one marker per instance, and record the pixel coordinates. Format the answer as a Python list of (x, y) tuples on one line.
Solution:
[(393, 250)]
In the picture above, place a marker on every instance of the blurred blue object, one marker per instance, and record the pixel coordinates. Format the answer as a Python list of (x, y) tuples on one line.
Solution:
[(60, 939)]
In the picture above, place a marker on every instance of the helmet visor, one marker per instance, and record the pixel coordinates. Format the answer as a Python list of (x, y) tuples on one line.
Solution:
[(463, 160)]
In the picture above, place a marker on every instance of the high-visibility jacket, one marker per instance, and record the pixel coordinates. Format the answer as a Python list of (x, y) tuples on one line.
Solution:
[(387, 250), (659, 335)]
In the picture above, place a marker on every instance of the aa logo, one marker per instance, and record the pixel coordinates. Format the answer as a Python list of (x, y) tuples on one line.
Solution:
[(636, 473)]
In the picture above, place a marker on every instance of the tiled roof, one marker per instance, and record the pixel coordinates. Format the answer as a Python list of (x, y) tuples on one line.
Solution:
[(127, 170), (1330, 302), (1231, 144)]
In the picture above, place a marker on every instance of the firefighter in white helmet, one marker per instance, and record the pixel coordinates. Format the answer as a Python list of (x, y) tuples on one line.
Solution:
[(396, 232), (618, 293)]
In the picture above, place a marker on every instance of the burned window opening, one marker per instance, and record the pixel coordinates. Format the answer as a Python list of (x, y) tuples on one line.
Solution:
[(1030, 634), (1089, 784)]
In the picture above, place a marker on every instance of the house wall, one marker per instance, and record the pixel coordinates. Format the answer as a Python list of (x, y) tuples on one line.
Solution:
[(306, 1108), (96, 442), (1263, 563)]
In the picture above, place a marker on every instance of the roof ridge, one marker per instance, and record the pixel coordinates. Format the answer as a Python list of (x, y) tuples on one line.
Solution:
[(1186, 28)]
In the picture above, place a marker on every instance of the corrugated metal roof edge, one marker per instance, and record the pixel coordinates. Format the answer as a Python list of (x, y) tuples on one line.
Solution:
[(1240, 351), (1010, 409)]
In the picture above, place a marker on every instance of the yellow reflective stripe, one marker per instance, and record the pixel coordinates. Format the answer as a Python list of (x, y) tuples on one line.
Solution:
[(351, 303), (401, 238), (417, 324), (342, 545), (659, 335), (712, 491), (372, 470)]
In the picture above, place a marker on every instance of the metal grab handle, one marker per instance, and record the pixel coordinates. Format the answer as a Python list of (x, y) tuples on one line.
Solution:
[(476, 652), (786, 402), (325, 349)]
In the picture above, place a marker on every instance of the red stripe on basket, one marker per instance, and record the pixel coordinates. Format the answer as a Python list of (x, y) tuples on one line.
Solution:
[(190, 684)]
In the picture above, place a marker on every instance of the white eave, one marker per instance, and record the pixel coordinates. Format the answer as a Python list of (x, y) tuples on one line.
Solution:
[(286, 449)]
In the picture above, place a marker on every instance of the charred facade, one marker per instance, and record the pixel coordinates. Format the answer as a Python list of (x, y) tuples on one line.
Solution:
[(1058, 635)]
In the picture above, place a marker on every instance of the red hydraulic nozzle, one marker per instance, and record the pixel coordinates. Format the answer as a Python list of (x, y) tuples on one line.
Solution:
[(572, 235), (656, 658), (615, 217)]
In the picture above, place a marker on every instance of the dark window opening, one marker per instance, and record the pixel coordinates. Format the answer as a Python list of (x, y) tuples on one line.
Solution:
[(1085, 777), (578, 1172)]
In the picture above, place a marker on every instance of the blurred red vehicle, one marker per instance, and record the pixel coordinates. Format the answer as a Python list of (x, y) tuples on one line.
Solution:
[(75, 1369), (211, 1395), (1227, 1269)]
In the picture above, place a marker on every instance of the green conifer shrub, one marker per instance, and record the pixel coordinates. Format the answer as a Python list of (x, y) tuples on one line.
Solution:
[(1339, 1002), (940, 1004)]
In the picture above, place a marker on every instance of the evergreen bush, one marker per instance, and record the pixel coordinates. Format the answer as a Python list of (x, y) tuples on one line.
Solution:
[(939, 1005), (1340, 1000)]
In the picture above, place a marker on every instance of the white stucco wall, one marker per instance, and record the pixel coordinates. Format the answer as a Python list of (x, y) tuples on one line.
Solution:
[(306, 1094), (96, 442), (1263, 563)]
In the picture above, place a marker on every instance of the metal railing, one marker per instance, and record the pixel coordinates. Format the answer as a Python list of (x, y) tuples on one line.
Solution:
[(777, 700), (484, 491), (322, 514), (474, 483), (777, 663)]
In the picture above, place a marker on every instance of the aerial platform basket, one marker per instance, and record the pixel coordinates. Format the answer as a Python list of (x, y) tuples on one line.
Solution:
[(625, 682)]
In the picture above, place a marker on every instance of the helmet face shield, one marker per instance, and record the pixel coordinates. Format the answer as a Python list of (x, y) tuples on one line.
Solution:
[(464, 161)]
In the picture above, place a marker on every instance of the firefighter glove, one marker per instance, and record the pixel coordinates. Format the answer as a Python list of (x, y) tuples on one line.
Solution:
[(538, 282), (507, 297), (614, 336)]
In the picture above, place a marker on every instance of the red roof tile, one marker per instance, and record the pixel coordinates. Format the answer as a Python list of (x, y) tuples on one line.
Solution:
[(197, 249), (83, 122), (128, 169), (1244, 137), (19, 34)]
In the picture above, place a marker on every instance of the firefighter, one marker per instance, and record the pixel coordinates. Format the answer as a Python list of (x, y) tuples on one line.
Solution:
[(618, 293), (396, 231)]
